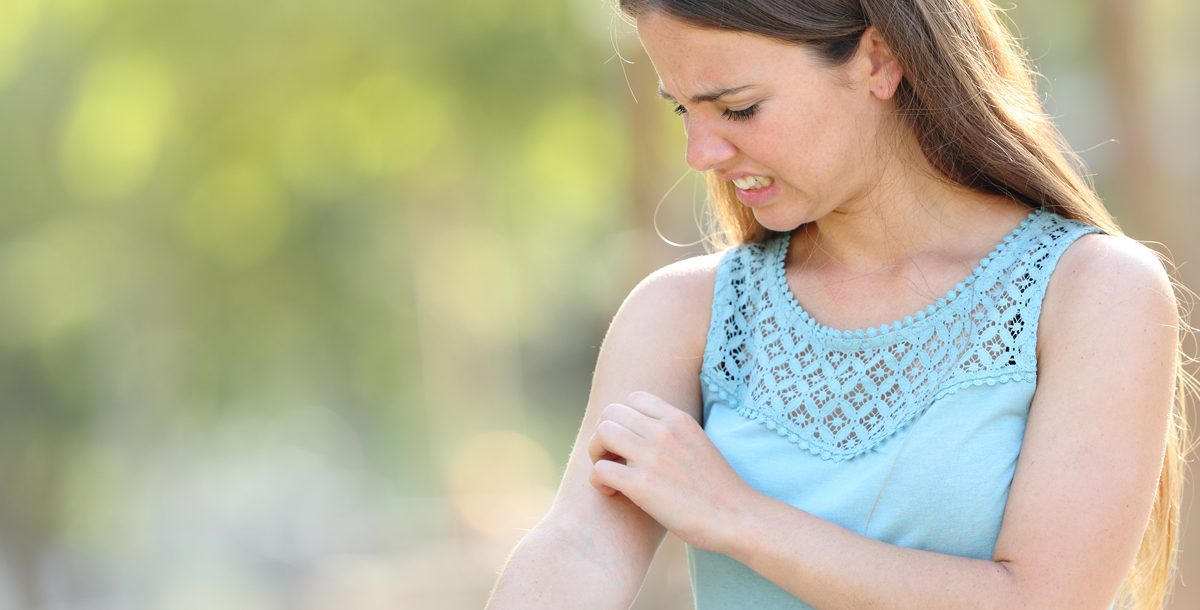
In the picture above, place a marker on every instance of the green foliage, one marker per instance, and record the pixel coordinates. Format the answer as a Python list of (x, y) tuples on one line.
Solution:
[(220, 212)]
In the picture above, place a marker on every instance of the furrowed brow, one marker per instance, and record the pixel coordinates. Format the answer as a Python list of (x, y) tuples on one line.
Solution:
[(708, 96)]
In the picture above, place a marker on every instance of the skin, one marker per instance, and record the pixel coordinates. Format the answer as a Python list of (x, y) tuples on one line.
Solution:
[(879, 224), (876, 216), (1095, 435)]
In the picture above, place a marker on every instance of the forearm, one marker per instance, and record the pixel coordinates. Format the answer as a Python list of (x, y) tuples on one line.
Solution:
[(552, 569), (829, 566)]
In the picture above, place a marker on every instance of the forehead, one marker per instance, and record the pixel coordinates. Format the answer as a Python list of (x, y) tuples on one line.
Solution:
[(688, 58)]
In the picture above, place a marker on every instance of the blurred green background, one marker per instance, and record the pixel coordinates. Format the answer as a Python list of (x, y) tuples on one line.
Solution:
[(299, 300)]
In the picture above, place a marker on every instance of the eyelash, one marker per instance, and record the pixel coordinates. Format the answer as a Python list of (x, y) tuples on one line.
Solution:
[(733, 115)]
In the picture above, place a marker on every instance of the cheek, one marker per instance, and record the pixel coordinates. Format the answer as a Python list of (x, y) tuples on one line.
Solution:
[(832, 142), (805, 149)]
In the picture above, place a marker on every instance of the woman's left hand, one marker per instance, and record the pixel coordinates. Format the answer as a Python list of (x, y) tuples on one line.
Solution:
[(661, 459)]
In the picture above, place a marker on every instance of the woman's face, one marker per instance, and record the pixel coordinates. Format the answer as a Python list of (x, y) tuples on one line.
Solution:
[(793, 134)]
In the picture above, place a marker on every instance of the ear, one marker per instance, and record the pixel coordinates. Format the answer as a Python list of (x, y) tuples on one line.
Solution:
[(883, 70)]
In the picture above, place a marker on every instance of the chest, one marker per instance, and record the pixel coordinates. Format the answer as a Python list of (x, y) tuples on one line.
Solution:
[(849, 301)]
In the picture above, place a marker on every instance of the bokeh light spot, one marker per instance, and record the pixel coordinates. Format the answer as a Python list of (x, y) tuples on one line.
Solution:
[(570, 162), (501, 480), (236, 215), (476, 284), (396, 122), (387, 124), (115, 131), (62, 277)]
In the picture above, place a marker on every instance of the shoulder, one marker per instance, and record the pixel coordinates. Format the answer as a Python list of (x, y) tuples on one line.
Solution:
[(1106, 280), (677, 296), (690, 277), (1098, 255), (657, 338), (688, 285)]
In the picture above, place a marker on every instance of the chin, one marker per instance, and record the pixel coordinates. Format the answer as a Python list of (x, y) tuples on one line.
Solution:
[(779, 225)]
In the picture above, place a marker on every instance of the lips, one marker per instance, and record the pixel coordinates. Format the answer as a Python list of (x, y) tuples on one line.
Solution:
[(763, 190)]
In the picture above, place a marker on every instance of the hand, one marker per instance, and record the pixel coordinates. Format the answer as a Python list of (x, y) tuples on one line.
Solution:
[(661, 459)]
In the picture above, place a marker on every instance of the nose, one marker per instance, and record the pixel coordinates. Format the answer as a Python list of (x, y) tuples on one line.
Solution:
[(707, 148)]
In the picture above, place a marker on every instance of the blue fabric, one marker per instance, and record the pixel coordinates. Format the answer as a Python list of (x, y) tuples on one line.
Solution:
[(907, 433)]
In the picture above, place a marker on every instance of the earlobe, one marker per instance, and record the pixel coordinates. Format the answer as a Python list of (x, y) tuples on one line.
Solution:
[(887, 89), (885, 69)]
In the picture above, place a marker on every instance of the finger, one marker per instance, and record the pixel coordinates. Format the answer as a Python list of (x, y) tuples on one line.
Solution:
[(612, 437), (638, 422), (650, 404), (597, 450), (594, 479), (611, 475)]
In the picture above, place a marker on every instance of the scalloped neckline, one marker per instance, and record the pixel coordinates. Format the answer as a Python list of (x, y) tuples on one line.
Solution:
[(782, 286)]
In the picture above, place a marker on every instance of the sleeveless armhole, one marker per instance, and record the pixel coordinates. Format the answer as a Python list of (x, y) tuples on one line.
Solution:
[(1006, 349), (1040, 264), (725, 348)]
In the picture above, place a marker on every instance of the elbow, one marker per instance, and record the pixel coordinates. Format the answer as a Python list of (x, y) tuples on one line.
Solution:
[(1024, 590), (1014, 593)]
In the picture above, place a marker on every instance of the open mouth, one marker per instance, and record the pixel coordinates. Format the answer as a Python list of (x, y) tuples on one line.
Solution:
[(753, 183)]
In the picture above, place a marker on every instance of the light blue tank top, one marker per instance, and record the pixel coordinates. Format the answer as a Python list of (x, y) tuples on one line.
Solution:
[(907, 433)]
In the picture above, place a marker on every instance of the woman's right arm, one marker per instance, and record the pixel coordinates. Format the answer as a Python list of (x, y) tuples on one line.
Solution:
[(592, 550)]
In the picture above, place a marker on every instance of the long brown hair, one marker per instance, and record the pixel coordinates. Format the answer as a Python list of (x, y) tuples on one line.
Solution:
[(969, 97)]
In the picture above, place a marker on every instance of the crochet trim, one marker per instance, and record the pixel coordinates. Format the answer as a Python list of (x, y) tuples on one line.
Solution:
[(839, 393), (779, 259)]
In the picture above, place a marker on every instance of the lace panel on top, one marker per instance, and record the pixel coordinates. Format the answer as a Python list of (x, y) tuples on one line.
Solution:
[(839, 393)]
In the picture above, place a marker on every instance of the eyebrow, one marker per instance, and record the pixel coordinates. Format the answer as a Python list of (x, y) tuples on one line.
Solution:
[(709, 96)]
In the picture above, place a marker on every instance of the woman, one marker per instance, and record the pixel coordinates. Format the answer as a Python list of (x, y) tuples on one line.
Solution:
[(927, 372)]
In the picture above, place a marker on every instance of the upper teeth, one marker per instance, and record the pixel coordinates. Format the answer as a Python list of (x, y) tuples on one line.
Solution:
[(752, 182)]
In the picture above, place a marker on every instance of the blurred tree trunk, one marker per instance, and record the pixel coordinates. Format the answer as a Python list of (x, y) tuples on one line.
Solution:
[(1138, 179), (38, 438), (1142, 184)]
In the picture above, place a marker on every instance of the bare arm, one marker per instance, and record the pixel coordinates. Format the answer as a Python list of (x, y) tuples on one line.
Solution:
[(592, 550), (1085, 478)]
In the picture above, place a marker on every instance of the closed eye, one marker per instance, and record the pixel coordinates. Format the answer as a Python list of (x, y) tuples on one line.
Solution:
[(733, 115), (741, 115)]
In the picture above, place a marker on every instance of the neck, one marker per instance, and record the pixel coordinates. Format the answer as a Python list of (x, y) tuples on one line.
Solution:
[(908, 214)]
